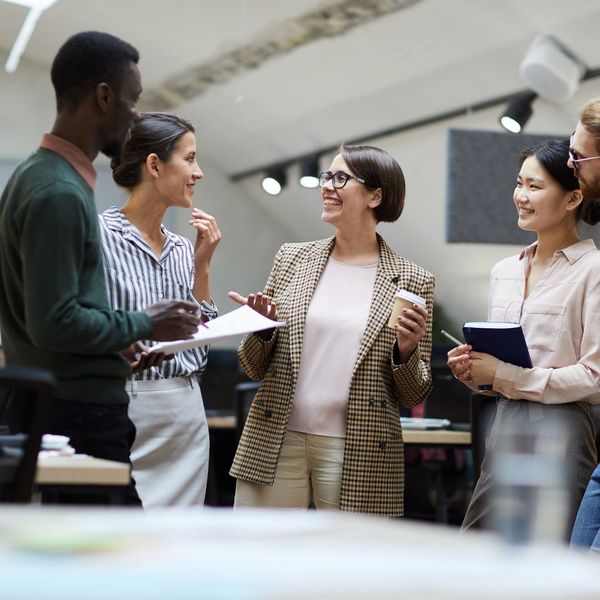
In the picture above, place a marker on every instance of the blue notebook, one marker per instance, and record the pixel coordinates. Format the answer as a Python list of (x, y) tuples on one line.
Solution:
[(502, 340)]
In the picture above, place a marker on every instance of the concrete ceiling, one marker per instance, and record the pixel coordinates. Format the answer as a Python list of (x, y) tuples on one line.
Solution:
[(422, 58)]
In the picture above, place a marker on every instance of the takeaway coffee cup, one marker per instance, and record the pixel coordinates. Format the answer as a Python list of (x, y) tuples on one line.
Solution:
[(404, 299)]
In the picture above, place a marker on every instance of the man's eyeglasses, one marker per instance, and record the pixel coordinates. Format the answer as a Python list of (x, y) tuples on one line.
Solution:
[(573, 157), (338, 179)]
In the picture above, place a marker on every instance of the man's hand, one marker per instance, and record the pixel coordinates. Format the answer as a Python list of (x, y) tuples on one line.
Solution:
[(140, 357), (173, 320)]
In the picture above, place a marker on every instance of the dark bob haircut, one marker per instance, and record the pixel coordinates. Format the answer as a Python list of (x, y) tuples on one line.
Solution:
[(379, 170)]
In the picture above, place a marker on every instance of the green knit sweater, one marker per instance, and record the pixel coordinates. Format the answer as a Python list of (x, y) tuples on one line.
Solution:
[(54, 311)]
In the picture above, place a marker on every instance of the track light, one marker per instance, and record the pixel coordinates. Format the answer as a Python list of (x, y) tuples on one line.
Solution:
[(309, 172), (517, 113), (274, 181)]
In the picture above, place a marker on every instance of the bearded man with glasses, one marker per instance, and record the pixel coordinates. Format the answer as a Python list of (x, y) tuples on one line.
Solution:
[(584, 159)]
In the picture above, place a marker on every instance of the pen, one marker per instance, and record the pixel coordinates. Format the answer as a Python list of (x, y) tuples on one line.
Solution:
[(452, 338), (204, 324)]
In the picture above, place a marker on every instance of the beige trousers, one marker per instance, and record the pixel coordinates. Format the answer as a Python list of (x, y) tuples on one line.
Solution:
[(309, 468)]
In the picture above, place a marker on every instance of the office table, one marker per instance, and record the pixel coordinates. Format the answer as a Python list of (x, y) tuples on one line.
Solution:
[(432, 438), (82, 474), (56, 553)]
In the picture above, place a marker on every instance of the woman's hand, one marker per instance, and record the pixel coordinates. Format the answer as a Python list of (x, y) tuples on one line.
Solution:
[(208, 236), (259, 302), (483, 368), (459, 362), (410, 328)]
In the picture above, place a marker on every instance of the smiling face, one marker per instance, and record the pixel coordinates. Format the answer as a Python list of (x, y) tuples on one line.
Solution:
[(350, 206), (543, 205), (176, 178)]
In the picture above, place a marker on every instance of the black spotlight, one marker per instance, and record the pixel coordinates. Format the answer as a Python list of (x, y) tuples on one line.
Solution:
[(517, 113), (309, 172), (274, 181)]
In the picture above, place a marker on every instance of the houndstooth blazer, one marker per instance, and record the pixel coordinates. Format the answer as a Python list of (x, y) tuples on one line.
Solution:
[(373, 468)]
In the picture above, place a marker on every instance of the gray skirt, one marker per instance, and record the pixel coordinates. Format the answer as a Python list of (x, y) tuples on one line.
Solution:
[(580, 455), (169, 456)]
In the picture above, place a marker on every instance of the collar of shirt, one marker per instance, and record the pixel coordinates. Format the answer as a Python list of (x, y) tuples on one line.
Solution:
[(73, 155), (572, 253), (116, 221)]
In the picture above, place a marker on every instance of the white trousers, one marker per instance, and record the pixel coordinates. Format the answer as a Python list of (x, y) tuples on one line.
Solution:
[(309, 468), (169, 456)]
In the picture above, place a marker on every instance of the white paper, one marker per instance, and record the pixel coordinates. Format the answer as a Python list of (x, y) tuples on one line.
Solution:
[(237, 322)]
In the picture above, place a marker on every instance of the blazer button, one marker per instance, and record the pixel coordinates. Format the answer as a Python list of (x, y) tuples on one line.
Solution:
[(268, 414), (371, 401), (273, 371), (383, 403), (382, 445)]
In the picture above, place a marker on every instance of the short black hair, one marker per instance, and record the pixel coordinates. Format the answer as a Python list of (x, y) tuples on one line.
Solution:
[(87, 59)]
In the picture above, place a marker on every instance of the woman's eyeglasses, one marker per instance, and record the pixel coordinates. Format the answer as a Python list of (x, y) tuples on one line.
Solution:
[(338, 179)]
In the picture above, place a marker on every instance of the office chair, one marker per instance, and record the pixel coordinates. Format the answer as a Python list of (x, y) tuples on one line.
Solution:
[(243, 395), (217, 382), (25, 397)]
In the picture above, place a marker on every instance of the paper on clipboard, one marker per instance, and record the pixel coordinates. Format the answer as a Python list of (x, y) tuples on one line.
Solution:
[(237, 322)]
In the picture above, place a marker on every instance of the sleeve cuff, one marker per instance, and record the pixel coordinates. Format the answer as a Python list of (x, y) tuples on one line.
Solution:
[(209, 309), (411, 364), (504, 379)]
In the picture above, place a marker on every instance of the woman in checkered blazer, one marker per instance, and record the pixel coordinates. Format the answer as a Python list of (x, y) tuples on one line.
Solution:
[(324, 427)]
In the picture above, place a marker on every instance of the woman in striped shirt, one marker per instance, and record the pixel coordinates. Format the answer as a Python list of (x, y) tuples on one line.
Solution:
[(146, 263)]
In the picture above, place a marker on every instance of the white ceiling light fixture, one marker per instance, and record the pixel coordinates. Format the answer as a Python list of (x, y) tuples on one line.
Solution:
[(550, 70), (36, 8)]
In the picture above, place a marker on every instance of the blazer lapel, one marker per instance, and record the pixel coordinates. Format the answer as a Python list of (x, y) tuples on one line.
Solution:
[(387, 281), (302, 289)]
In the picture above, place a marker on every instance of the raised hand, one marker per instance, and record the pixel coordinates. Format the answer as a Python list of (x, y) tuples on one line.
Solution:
[(259, 302), (208, 236)]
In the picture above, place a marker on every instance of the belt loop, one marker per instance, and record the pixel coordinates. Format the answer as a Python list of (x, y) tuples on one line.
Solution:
[(133, 387), (191, 380)]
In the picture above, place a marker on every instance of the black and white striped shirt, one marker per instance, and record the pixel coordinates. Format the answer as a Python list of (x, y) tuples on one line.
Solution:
[(136, 279)]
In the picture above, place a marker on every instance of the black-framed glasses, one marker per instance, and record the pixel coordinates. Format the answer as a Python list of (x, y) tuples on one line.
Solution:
[(573, 156), (338, 179)]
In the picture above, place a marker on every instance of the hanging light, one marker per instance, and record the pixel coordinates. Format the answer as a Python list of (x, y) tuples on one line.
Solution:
[(274, 181), (517, 113), (309, 172)]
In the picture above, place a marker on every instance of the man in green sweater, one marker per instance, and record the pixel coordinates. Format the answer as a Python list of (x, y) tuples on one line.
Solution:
[(54, 311)]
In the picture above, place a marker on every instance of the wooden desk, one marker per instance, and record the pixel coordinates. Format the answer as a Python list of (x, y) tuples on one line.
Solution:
[(74, 471), (432, 438), (441, 438)]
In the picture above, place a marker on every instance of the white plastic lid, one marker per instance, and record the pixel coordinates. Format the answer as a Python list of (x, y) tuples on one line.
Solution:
[(411, 297)]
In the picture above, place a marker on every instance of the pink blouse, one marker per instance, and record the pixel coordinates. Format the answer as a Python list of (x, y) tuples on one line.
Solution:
[(561, 323)]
